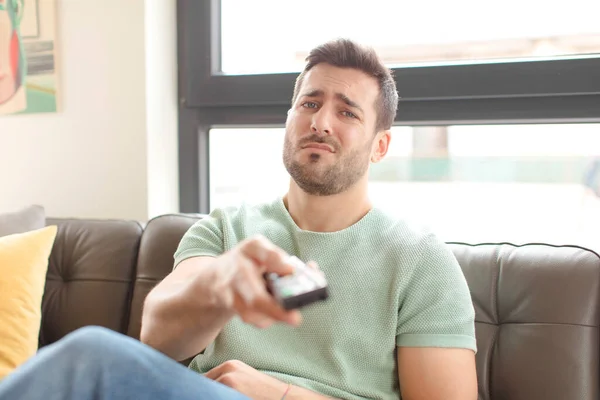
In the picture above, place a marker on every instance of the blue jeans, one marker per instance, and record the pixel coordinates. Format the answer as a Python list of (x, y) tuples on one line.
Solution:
[(97, 363)]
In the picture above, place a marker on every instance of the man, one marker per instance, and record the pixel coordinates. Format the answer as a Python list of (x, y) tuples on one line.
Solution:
[(399, 320)]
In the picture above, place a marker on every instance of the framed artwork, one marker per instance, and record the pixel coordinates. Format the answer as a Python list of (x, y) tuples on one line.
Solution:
[(28, 77)]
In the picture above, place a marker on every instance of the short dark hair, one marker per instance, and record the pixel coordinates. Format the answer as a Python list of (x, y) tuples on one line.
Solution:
[(345, 53)]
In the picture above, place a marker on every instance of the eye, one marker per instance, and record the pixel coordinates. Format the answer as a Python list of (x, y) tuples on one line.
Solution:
[(309, 104), (349, 114)]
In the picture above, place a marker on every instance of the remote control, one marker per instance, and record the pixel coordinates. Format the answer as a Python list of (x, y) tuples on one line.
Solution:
[(299, 289)]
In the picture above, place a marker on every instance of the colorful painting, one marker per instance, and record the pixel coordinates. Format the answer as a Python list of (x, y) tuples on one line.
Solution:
[(28, 79)]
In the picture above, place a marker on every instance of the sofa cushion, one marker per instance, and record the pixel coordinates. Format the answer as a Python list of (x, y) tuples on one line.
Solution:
[(537, 318), (23, 220), (90, 276), (159, 242), (23, 265)]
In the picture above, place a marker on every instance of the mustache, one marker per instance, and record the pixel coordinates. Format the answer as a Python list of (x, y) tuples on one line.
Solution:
[(314, 138)]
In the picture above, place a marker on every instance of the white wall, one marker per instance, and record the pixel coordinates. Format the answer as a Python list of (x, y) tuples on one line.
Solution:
[(96, 158), (161, 107)]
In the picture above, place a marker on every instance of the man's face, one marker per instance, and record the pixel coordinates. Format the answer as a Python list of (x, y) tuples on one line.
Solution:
[(8, 55), (330, 129)]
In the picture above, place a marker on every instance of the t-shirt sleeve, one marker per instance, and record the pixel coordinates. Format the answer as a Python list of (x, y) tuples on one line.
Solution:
[(204, 238), (436, 309)]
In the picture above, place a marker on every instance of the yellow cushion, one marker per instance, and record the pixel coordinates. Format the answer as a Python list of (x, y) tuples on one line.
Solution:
[(23, 266)]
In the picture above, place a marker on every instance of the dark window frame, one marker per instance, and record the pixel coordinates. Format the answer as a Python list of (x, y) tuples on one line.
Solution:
[(546, 91)]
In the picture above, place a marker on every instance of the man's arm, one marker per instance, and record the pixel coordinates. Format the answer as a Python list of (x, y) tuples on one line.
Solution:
[(182, 315), (187, 310), (435, 335), (430, 373)]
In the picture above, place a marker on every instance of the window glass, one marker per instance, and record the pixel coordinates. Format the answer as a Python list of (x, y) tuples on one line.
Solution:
[(488, 183), (279, 34)]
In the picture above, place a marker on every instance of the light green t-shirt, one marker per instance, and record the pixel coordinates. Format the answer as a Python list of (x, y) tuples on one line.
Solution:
[(389, 285)]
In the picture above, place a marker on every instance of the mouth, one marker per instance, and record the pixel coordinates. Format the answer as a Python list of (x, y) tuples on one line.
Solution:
[(319, 146)]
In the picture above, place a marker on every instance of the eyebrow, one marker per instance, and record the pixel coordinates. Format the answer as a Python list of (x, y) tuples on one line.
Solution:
[(340, 96)]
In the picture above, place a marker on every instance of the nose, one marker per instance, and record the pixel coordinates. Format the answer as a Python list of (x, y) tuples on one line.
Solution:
[(321, 122)]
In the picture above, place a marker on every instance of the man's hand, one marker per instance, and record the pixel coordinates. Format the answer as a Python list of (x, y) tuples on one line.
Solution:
[(247, 380), (240, 276), (256, 385), (188, 309)]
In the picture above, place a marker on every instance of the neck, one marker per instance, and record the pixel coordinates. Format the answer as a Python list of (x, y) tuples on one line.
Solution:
[(327, 213)]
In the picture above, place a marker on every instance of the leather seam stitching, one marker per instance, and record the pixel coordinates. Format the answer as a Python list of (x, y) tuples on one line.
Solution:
[(495, 284), (89, 280), (489, 361), (539, 323)]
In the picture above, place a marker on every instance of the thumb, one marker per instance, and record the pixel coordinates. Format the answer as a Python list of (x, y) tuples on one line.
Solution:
[(313, 265)]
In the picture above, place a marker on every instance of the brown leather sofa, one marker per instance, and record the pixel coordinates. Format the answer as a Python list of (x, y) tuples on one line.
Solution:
[(537, 305)]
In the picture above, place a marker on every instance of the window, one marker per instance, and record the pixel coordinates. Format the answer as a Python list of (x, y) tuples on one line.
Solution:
[(279, 34), (259, 174), (524, 183), (251, 41), (236, 73)]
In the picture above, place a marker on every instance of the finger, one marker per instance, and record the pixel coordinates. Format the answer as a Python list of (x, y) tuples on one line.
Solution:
[(251, 317), (254, 298), (313, 265), (267, 255), (251, 289), (263, 323), (256, 305), (216, 372), (223, 369), (267, 305), (257, 319), (248, 283)]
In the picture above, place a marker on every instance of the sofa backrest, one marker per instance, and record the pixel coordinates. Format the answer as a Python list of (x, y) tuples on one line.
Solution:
[(537, 319), (155, 261), (100, 272), (537, 306), (91, 273)]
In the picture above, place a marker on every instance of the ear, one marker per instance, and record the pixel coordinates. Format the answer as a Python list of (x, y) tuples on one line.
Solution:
[(288, 116), (380, 145)]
